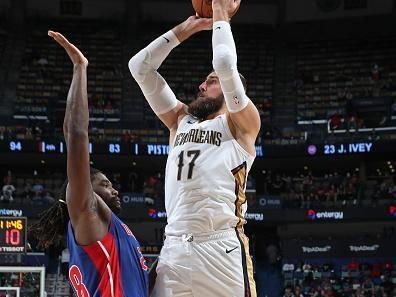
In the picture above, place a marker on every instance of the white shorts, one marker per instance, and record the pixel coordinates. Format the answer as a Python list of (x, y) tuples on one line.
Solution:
[(205, 265)]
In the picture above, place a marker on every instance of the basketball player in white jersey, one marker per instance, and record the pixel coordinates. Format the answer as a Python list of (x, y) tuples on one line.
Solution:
[(205, 253)]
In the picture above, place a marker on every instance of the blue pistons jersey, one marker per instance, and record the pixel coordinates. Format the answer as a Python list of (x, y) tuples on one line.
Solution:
[(111, 267)]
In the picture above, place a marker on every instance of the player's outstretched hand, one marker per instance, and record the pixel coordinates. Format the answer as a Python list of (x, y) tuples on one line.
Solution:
[(226, 6), (200, 24), (192, 25), (74, 53)]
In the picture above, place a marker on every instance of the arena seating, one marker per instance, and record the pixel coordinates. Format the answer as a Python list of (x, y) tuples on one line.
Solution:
[(56, 285), (328, 76), (341, 189), (332, 72), (46, 71), (372, 277), (295, 189)]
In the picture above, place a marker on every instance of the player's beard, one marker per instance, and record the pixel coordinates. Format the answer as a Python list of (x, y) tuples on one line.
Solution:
[(202, 107)]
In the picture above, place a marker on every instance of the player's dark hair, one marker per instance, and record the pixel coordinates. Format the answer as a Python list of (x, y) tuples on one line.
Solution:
[(52, 225)]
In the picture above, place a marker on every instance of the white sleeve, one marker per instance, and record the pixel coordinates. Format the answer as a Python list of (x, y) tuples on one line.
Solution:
[(225, 66), (144, 66)]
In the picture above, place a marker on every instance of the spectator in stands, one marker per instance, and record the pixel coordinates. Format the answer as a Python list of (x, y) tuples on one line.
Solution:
[(350, 115), (7, 193), (149, 185), (27, 192), (353, 265), (126, 137), (376, 270), (8, 189), (392, 191), (386, 283), (42, 67), (8, 178), (65, 256), (375, 72), (288, 266), (393, 109), (332, 193), (335, 122), (299, 266), (2, 132), (368, 285), (277, 185), (307, 268), (133, 179), (47, 198), (159, 188), (37, 190), (288, 292), (298, 292), (388, 266)]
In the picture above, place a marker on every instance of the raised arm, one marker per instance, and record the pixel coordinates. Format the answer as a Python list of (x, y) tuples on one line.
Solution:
[(144, 66), (81, 201), (242, 113)]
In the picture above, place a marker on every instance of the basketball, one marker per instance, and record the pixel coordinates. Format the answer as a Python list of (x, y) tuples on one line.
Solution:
[(204, 8)]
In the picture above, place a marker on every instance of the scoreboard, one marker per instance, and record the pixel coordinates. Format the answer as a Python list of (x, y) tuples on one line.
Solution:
[(58, 147), (104, 148), (13, 232)]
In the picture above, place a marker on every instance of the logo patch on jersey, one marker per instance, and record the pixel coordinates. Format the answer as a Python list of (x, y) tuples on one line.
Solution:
[(236, 100), (127, 230)]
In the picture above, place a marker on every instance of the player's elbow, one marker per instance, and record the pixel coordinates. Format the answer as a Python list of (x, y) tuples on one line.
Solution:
[(133, 67), (77, 132), (138, 65), (224, 61)]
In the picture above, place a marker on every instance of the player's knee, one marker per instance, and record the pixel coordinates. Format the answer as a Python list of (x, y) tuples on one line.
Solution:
[(224, 61), (139, 65)]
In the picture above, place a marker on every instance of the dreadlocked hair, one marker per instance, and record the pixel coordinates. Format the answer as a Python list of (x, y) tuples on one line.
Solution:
[(51, 228)]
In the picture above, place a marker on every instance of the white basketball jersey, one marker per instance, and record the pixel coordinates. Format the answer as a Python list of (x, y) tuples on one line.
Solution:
[(206, 175)]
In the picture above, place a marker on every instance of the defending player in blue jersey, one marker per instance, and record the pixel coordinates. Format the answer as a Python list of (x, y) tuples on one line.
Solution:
[(105, 258)]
